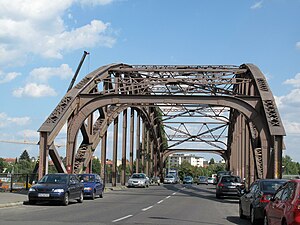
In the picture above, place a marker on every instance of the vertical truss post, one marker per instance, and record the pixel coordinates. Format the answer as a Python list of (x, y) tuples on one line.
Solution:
[(44, 152), (138, 131), (278, 142), (148, 159), (131, 140), (103, 157), (90, 133), (143, 155), (115, 151), (124, 139)]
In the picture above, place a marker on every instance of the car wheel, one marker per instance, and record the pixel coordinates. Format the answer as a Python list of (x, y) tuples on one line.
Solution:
[(242, 216), (80, 200), (101, 195), (65, 201), (266, 220), (94, 195), (284, 222), (32, 202)]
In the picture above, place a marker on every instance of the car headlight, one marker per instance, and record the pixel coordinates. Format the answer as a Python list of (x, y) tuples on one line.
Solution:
[(60, 190), (87, 188), (31, 189)]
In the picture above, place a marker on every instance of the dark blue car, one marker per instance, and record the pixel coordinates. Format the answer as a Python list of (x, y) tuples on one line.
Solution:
[(93, 185), (56, 187)]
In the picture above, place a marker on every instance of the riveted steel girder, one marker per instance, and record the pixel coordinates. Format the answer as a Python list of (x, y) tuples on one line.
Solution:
[(223, 109)]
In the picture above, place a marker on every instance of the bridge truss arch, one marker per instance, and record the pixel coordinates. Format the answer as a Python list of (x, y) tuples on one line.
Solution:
[(227, 110)]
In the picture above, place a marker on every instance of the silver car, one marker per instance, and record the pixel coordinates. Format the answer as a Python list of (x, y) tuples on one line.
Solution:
[(138, 180), (170, 179)]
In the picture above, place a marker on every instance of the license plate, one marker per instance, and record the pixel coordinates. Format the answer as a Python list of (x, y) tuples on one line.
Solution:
[(231, 186), (43, 195)]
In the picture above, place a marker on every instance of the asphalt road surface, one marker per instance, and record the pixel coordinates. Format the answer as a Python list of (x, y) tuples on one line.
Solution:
[(165, 204)]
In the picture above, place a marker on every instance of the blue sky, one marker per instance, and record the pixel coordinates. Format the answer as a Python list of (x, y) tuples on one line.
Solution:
[(41, 43)]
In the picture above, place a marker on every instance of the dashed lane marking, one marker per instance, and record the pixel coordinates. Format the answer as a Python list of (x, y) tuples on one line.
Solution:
[(123, 218), (145, 209)]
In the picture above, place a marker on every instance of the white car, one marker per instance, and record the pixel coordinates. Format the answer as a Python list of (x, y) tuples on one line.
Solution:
[(138, 180), (170, 179)]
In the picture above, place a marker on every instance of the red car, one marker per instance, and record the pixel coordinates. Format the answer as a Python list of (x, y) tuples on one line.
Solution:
[(284, 206)]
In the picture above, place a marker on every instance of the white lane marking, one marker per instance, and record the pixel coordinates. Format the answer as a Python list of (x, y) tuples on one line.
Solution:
[(160, 201), (123, 218), (145, 209), (169, 196), (174, 193)]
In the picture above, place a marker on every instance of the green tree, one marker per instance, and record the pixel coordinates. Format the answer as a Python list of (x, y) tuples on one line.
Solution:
[(211, 161), (289, 167), (25, 156), (96, 166), (3, 165)]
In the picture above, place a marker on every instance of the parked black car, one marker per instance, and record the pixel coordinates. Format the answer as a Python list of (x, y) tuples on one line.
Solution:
[(93, 185), (228, 185), (254, 200), (57, 187)]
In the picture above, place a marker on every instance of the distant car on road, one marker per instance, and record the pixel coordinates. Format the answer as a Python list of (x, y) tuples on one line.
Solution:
[(210, 180), (253, 201), (228, 185), (170, 179), (188, 180), (221, 173), (155, 180), (93, 185), (138, 180), (284, 206), (57, 187), (202, 180)]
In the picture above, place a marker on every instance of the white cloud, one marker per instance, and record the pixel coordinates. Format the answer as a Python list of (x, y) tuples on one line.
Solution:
[(257, 5), (5, 78), (298, 45), (292, 128), (34, 90), (89, 35), (29, 134), (37, 27), (5, 120), (294, 81), (95, 2), (43, 74)]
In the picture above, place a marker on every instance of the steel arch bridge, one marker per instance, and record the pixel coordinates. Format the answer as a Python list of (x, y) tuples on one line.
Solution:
[(164, 109)]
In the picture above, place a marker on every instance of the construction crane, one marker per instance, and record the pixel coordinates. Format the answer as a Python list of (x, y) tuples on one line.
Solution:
[(26, 143)]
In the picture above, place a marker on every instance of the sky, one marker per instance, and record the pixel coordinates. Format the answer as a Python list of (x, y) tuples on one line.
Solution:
[(42, 42)]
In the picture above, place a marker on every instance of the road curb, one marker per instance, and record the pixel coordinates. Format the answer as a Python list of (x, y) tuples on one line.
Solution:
[(6, 205)]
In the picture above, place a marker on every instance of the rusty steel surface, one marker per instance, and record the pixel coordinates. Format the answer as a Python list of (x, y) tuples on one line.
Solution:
[(223, 109)]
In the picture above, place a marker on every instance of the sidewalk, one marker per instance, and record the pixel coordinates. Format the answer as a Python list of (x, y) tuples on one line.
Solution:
[(9, 199)]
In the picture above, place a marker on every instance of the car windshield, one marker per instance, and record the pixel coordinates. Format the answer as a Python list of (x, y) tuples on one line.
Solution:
[(188, 178), (229, 179), (54, 179), (139, 176), (271, 186), (169, 176), (87, 178)]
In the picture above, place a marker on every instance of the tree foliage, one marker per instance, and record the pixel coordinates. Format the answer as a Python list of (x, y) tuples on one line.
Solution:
[(25, 156), (3, 165), (289, 167), (96, 166)]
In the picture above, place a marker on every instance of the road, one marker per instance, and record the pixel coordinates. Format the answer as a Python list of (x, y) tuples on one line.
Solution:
[(165, 204)]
